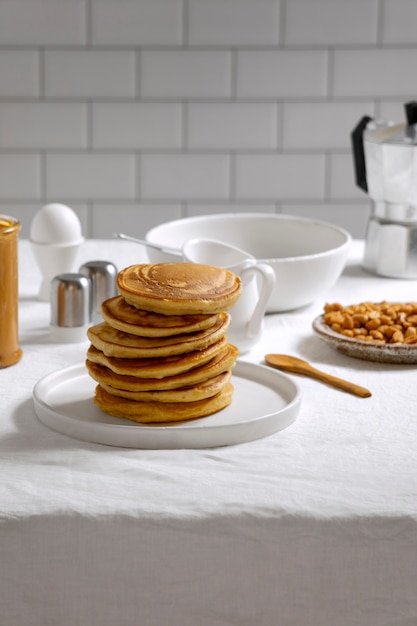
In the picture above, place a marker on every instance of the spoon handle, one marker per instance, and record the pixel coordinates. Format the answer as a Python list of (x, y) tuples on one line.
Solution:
[(148, 244), (299, 366), (340, 383)]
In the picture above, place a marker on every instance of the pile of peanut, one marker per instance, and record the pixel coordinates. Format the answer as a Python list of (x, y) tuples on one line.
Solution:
[(383, 322)]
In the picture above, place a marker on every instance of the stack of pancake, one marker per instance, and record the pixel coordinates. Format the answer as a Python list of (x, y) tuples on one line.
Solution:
[(161, 354)]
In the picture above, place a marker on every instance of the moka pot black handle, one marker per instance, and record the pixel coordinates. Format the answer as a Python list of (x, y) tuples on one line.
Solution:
[(359, 153)]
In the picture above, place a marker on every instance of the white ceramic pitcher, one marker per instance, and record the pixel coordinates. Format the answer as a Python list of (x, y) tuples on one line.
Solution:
[(258, 281)]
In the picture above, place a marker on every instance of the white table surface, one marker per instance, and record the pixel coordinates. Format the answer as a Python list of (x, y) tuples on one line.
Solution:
[(313, 526)]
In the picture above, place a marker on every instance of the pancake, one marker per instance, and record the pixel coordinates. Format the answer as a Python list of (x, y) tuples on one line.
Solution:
[(161, 354), (192, 393), (179, 288), (116, 343), (221, 362), (161, 412), (123, 316), (158, 367)]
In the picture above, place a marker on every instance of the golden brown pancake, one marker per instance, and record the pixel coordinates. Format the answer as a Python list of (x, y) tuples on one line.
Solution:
[(116, 343), (123, 316), (221, 362), (192, 393), (179, 288), (161, 355), (161, 412), (157, 367)]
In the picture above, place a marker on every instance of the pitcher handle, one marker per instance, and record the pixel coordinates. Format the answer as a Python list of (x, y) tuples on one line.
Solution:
[(267, 276)]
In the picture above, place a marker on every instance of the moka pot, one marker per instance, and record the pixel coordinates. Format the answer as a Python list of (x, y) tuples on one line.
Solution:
[(385, 162)]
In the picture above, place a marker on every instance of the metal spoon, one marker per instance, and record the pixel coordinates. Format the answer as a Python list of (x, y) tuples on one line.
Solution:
[(143, 242), (299, 366)]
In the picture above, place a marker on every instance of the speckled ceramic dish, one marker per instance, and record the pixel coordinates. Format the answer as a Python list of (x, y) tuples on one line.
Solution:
[(365, 350)]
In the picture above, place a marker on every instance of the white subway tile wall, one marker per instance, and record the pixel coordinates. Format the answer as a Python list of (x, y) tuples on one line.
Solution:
[(134, 112), (90, 175), (20, 73)]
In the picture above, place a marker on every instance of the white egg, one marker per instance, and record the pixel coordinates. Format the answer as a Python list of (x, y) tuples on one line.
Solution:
[(56, 224)]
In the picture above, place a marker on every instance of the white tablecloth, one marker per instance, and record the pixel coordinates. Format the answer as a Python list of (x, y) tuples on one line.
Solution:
[(313, 526)]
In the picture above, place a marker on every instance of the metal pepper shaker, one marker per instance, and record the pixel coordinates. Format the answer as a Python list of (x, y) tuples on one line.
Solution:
[(70, 308), (102, 275)]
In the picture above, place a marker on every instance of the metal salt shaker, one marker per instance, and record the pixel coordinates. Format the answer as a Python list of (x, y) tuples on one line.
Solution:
[(70, 308), (102, 275)]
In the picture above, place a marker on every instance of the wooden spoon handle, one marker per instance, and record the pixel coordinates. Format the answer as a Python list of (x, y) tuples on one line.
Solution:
[(340, 383), (294, 365)]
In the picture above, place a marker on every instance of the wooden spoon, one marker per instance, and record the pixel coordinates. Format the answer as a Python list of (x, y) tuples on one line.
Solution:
[(299, 366)]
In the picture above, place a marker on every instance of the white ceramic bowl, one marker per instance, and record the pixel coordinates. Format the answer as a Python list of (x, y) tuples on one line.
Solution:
[(307, 255)]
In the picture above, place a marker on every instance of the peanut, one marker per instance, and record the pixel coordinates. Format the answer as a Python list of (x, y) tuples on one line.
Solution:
[(382, 322)]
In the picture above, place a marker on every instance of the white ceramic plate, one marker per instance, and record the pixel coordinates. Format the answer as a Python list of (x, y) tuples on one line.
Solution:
[(264, 402), (365, 350)]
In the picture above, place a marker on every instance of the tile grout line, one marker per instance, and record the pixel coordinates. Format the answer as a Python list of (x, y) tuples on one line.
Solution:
[(89, 24)]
